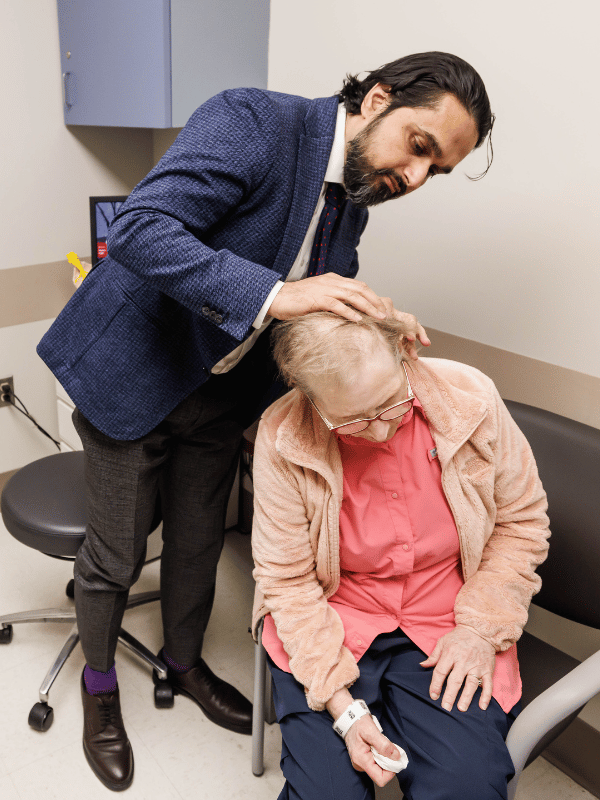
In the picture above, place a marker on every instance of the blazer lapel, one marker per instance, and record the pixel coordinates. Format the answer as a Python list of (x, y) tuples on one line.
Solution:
[(313, 156)]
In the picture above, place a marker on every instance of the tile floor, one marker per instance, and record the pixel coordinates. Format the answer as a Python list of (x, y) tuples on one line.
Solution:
[(179, 754)]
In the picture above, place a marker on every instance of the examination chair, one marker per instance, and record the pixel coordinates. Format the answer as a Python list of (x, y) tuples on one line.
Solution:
[(555, 686), (43, 506)]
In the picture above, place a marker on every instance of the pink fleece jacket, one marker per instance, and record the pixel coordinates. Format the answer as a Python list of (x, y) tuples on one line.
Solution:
[(491, 483)]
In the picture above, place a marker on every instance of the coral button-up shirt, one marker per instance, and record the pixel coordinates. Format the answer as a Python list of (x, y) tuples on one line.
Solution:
[(399, 550)]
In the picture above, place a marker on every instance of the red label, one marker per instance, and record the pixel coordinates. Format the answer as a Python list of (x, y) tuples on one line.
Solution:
[(102, 249)]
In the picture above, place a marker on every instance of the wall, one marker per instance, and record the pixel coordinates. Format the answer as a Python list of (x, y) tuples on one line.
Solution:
[(525, 240), (48, 172), (161, 141)]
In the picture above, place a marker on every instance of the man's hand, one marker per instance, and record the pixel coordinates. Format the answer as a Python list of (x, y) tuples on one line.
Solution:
[(414, 329), (331, 292), (462, 656)]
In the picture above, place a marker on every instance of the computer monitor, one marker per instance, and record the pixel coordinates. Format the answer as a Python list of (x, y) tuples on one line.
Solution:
[(102, 213)]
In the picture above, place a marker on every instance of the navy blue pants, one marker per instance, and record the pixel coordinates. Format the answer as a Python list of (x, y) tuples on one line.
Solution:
[(453, 755)]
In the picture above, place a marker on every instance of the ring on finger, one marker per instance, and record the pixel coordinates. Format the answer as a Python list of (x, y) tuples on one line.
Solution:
[(479, 681)]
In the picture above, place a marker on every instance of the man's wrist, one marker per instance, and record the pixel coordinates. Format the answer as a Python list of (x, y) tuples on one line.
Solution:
[(263, 313)]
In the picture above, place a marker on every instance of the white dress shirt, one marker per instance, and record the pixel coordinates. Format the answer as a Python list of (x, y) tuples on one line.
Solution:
[(333, 174)]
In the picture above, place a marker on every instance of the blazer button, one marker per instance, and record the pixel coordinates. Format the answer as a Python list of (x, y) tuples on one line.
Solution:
[(206, 311), (212, 315), (218, 319)]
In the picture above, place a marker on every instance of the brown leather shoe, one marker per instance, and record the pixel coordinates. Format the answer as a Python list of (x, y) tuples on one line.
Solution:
[(220, 701), (105, 741)]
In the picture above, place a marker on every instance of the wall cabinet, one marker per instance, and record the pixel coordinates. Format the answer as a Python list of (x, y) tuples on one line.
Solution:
[(151, 63)]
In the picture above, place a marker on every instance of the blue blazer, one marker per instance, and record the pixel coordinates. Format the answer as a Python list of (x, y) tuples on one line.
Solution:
[(193, 254)]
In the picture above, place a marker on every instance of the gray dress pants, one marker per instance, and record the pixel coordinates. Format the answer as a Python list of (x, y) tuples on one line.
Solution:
[(187, 465)]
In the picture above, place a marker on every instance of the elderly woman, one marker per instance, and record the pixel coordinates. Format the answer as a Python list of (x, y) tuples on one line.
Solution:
[(399, 520)]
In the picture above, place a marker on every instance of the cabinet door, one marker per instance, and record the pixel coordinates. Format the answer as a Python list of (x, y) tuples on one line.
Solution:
[(116, 62), (216, 45)]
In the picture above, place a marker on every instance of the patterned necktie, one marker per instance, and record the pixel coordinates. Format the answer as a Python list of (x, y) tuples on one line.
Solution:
[(334, 199)]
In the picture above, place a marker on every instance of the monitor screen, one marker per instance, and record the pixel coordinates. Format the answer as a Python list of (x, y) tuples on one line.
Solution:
[(102, 213)]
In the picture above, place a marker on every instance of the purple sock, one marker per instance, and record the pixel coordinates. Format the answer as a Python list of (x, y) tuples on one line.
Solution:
[(173, 664), (100, 682)]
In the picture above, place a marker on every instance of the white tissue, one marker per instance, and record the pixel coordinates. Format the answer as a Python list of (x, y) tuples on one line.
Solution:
[(389, 763)]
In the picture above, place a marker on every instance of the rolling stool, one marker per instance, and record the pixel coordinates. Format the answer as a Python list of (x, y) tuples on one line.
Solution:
[(43, 506)]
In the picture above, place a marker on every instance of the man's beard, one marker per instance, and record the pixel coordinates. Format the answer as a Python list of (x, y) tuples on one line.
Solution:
[(362, 182)]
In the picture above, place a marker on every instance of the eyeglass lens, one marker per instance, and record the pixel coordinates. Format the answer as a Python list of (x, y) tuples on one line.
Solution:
[(392, 413), (396, 411)]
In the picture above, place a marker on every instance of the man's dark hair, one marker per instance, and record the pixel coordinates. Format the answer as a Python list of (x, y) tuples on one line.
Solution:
[(419, 81)]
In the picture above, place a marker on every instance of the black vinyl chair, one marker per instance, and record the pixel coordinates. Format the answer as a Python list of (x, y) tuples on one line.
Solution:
[(555, 686), (43, 506)]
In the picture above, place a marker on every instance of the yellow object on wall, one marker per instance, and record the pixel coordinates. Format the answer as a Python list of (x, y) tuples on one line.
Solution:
[(73, 258)]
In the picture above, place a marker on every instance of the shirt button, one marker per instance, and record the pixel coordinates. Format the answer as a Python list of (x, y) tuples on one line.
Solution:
[(406, 547), (359, 641), (394, 495)]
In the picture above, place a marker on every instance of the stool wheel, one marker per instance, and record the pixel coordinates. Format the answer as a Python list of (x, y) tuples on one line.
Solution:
[(163, 695), (41, 717), (6, 634), (70, 590)]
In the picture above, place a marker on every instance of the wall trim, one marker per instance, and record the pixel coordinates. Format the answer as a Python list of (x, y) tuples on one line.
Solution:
[(34, 293), (5, 477), (526, 380), (40, 291)]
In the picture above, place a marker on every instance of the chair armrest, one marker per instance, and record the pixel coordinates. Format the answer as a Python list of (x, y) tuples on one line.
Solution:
[(258, 711), (549, 708)]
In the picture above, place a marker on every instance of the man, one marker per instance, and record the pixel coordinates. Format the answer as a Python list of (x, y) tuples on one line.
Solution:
[(161, 348)]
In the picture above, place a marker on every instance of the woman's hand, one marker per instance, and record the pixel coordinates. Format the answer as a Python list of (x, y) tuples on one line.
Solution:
[(461, 656), (362, 734), (359, 739)]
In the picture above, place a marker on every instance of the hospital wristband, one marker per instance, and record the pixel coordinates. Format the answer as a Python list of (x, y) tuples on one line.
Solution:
[(356, 710)]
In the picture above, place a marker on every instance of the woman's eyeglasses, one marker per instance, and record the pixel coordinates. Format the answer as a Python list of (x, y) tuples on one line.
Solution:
[(388, 414)]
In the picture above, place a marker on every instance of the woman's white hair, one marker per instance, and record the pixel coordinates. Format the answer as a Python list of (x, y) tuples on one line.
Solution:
[(322, 345)]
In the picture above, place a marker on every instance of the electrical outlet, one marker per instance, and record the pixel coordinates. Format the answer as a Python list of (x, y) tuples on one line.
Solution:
[(12, 389)]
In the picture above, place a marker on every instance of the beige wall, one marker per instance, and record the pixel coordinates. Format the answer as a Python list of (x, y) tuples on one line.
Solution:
[(161, 141), (510, 261), (48, 172), (34, 383)]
